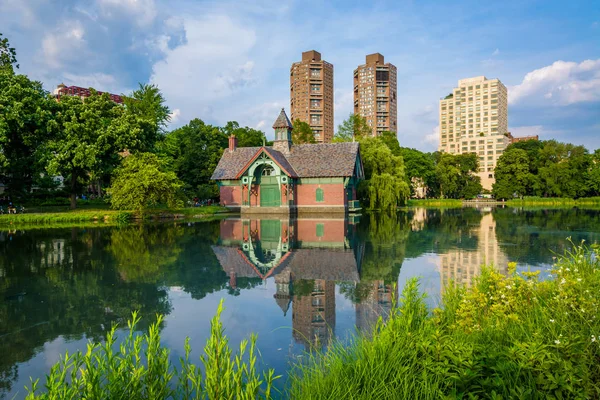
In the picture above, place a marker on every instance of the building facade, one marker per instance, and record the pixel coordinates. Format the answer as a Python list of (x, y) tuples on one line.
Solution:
[(474, 119), (311, 94), (63, 90), (287, 178), (375, 94)]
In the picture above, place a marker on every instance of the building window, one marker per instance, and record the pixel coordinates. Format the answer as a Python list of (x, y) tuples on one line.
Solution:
[(320, 230), (315, 88), (315, 73), (315, 103), (320, 195)]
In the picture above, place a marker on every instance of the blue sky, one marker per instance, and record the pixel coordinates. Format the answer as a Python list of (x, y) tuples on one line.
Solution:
[(229, 60)]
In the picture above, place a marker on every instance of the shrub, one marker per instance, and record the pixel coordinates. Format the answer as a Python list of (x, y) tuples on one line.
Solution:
[(512, 336)]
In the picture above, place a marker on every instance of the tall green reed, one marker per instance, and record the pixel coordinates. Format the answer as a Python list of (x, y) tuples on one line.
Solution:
[(140, 368)]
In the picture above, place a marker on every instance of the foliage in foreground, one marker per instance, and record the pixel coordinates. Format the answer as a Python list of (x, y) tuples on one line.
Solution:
[(505, 337), (140, 369)]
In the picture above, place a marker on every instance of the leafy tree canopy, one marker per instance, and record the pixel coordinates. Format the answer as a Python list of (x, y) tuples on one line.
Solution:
[(246, 137), (456, 175), (8, 55), (88, 137), (26, 111), (147, 104), (193, 152), (302, 133), (142, 181), (353, 128)]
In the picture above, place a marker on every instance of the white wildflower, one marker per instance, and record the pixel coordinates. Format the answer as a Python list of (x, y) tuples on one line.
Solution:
[(593, 338), (557, 341), (552, 320)]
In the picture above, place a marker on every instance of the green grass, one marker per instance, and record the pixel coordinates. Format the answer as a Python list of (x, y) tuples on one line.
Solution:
[(434, 203), (62, 215), (505, 337), (554, 201)]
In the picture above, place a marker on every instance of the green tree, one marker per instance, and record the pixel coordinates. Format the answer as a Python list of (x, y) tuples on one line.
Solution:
[(562, 170), (420, 170), (302, 133), (353, 128), (593, 175), (512, 174), (246, 137), (193, 151), (456, 175), (142, 182), (385, 186), (26, 111), (8, 55), (391, 141), (89, 135), (147, 104)]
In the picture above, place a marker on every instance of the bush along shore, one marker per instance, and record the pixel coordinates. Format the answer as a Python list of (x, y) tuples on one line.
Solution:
[(107, 215), (505, 336), (554, 201)]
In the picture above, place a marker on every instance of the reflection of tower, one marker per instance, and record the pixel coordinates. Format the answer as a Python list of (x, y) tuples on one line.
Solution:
[(282, 294), (378, 303), (419, 218), (461, 266), (313, 316)]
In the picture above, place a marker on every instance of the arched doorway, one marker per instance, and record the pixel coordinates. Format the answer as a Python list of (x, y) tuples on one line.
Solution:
[(267, 178)]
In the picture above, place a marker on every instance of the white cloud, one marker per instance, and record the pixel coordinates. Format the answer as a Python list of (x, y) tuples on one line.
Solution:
[(144, 11), (197, 74), (561, 83), (100, 81), (64, 44), (175, 114), (496, 52), (433, 137)]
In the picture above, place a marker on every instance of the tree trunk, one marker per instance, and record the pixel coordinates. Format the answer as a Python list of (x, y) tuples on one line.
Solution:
[(73, 193)]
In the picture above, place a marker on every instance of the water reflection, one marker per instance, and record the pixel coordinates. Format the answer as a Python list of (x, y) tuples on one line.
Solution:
[(306, 258), (297, 283)]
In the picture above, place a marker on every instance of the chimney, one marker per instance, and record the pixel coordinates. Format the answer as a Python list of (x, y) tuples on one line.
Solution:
[(232, 143)]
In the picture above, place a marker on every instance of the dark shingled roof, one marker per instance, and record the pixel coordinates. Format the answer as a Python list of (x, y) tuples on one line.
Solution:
[(232, 162), (304, 160), (282, 121), (323, 160)]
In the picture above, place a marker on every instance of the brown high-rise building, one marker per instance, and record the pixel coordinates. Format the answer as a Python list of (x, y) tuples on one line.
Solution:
[(311, 94), (375, 89)]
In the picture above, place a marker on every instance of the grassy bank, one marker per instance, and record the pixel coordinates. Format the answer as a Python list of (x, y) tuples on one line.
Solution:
[(434, 203), (504, 337), (554, 202), (52, 215)]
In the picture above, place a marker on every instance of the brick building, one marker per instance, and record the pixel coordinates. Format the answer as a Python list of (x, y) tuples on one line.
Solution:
[(287, 178), (63, 90), (311, 94)]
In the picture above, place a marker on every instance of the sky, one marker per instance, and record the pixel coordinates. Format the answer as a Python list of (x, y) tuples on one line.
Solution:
[(229, 60)]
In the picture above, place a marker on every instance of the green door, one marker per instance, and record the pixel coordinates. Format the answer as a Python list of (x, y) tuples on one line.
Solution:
[(269, 196)]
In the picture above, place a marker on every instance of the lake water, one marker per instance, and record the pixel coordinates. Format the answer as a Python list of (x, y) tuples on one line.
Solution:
[(296, 283)]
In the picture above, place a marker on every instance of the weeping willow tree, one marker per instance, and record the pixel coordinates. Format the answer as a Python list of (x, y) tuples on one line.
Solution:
[(385, 186)]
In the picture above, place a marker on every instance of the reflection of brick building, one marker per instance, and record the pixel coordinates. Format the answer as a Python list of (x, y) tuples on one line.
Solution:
[(313, 315), (461, 266), (306, 257), (378, 303)]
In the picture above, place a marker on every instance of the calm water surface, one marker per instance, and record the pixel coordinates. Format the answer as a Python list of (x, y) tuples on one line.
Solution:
[(296, 283)]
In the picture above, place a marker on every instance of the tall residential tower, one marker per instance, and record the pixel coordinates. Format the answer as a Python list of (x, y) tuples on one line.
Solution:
[(474, 119), (375, 90), (311, 94)]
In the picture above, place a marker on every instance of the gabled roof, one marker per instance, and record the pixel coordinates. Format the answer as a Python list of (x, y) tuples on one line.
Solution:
[(282, 121), (303, 161)]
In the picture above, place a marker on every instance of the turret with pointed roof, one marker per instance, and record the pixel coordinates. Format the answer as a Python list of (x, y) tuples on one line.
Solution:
[(283, 133)]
